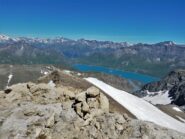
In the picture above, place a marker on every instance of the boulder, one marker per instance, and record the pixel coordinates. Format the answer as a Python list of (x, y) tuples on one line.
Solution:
[(85, 107), (93, 91), (93, 103), (89, 101), (104, 102), (81, 97), (51, 121)]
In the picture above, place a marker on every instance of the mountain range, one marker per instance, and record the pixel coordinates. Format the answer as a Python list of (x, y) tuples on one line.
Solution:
[(154, 59)]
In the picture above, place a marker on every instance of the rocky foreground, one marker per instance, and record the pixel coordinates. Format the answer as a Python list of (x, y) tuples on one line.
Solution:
[(59, 108)]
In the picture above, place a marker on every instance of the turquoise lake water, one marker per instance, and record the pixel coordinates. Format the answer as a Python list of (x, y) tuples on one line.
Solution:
[(124, 74)]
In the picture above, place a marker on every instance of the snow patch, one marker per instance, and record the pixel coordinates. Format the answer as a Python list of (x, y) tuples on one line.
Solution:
[(177, 109), (160, 97), (44, 72), (51, 84), (9, 79), (67, 71), (22, 48), (181, 119), (49, 67), (139, 107)]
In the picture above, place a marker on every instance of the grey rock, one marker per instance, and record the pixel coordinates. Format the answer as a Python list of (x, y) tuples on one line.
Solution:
[(93, 91), (174, 83), (25, 114)]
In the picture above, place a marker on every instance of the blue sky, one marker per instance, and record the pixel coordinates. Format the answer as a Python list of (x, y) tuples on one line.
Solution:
[(116, 20)]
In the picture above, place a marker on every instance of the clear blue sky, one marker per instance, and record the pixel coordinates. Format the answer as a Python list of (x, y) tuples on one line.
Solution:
[(116, 20)]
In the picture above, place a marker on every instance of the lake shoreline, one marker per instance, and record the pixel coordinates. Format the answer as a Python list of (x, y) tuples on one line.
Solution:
[(124, 74)]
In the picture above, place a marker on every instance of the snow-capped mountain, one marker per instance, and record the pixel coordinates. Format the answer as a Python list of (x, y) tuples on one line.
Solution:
[(120, 55), (103, 44), (61, 40), (4, 38), (7, 39), (92, 43), (167, 43)]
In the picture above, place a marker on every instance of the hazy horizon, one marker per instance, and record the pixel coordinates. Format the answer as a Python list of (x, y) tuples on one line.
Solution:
[(90, 39)]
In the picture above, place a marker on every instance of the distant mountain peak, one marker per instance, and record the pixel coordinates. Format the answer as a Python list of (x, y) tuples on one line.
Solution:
[(61, 39), (4, 37), (167, 43)]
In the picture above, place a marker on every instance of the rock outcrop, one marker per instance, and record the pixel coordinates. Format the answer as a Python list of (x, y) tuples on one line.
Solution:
[(177, 93), (174, 83), (173, 78), (45, 111), (90, 103), (62, 78)]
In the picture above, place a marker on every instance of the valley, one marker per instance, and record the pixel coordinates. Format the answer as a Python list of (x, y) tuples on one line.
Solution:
[(151, 59), (139, 83)]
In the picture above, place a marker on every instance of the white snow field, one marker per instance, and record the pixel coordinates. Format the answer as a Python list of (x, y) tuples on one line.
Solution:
[(181, 119), (9, 79), (177, 109), (142, 109), (162, 97)]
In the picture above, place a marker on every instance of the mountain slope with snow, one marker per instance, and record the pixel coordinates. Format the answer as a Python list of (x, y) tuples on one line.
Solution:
[(161, 97), (139, 107), (169, 90)]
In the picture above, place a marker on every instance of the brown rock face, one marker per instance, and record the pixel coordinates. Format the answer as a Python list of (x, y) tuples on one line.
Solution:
[(61, 78)]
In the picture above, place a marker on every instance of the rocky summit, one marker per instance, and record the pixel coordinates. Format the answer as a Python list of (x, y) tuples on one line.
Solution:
[(61, 108)]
